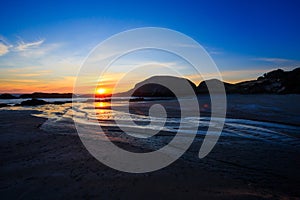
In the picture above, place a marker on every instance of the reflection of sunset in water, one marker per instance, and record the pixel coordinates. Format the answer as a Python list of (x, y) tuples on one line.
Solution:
[(102, 105)]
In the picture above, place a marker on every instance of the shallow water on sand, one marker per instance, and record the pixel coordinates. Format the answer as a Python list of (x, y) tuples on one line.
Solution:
[(91, 115)]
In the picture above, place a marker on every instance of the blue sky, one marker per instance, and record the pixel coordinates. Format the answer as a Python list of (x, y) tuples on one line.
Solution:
[(41, 42)]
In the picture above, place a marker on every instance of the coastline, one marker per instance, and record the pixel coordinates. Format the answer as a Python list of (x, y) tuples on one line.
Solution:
[(38, 164)]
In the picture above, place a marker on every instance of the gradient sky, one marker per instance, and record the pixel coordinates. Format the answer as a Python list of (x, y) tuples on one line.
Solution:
[(42, 44)]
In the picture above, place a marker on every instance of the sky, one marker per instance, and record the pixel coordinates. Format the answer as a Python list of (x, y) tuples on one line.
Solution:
[(44, 43)]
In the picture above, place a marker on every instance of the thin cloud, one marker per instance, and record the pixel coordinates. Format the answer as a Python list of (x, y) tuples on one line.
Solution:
[(3, 49), (4, 46), (214, 50), (20, 81), (187, 45), (22, 46), (273, 60), (28, 75)]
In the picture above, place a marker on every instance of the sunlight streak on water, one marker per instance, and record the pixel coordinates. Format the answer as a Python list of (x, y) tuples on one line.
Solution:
[(60, 119)]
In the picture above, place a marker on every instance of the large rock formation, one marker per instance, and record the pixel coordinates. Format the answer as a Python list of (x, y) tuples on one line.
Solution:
[(151, 87), (216, 85)]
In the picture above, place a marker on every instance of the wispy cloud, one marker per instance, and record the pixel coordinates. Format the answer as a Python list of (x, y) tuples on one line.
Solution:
[(273, 60), (20, 81), (22, 46), (28, 75), (39, 51), (3, 49), (214, 51), (28, 72), (4, 46)]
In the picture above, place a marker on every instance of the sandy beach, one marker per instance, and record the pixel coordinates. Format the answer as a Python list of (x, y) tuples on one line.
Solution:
[(36, 164)]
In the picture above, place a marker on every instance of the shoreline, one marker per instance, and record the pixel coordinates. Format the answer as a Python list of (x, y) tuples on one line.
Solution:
[(272, 108), (38, 164)]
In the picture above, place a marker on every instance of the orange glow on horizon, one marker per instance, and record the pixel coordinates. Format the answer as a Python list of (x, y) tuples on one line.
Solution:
[(29, 82)]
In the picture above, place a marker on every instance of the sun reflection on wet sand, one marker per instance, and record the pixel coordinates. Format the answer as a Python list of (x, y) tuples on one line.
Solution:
[(102, 105)]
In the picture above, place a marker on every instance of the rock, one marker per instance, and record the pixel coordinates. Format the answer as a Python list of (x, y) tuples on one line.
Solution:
[(7, 96), (60, 102), (137, 99), (274, 82), (216, 85), (33, 102), (46, 95), (3, 105), (151, 88), (277, 81)]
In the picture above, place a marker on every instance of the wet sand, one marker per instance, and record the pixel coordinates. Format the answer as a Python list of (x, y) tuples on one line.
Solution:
[(36, 164)]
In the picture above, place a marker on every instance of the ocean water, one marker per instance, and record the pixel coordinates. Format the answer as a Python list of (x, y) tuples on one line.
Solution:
[(268, 118)]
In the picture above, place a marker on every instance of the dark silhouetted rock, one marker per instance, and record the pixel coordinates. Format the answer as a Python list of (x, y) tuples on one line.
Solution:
[(216, 85), (151, 87), (33, 102), (3, 105), (274, 82), (60, 102), (137, 99), (277, 81), (46, 95), (7, 96)]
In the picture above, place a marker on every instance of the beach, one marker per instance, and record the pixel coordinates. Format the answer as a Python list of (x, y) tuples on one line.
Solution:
[(39, 162)]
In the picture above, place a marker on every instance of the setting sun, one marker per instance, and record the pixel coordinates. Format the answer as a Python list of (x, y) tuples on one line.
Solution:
[(101, 91)]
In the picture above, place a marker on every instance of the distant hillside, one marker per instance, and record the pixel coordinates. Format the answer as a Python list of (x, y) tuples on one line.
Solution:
[(46, 95), (274, 82), (7, 96)]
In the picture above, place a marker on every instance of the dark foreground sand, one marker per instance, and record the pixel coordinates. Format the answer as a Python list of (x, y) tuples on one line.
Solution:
[(39, 165)]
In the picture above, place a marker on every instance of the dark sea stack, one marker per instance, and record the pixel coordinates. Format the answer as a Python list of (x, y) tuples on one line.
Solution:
[(7, 96), (151, 88), (33, 102), (3, 105), (46, 95), (217, 84)]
